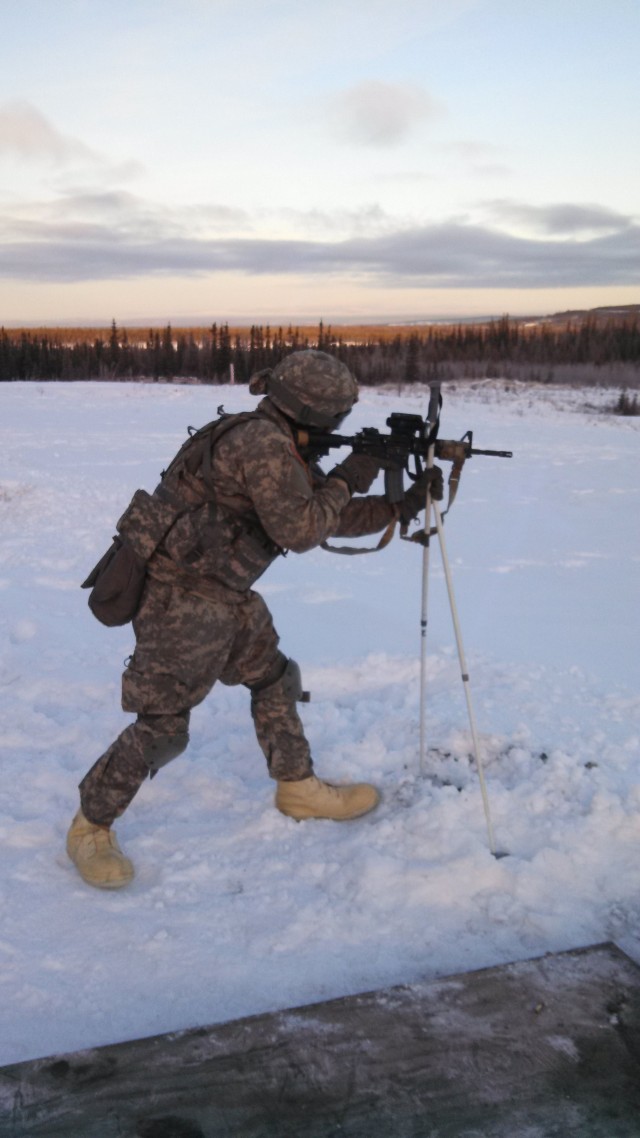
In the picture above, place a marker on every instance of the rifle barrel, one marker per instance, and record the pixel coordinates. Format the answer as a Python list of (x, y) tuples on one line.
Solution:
[(493, 453)]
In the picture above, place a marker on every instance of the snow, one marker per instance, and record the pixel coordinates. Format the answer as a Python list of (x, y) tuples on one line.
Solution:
[(235, 909)]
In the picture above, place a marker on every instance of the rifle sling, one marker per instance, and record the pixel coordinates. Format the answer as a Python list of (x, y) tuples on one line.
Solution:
[(354, 549), (457, 458)]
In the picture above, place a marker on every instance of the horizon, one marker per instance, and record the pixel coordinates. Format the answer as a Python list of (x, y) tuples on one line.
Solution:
[(269, 320), (304, 322)]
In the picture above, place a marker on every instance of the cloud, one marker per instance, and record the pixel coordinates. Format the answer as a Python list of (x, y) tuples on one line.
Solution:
[(563, 219), (445, 256), (454, 255), (116, 235), (378, 114), (482, 158), (78, 214), (366, 219), (26, 133)]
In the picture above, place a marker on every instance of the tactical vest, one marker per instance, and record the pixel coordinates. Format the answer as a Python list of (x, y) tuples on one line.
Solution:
[(185, 530), (210, 536)]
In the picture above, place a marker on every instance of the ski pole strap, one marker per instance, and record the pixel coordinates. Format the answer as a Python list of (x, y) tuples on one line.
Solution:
[(354, 549)]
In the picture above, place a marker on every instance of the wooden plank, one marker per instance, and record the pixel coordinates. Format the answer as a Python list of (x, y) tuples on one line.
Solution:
[(541, 1048)]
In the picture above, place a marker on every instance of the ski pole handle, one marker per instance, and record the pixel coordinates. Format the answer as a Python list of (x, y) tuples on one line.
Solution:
[(433, 411)]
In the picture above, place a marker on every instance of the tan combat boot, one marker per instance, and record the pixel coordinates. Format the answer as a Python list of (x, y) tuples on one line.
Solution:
[(95, 852), (312, 798)]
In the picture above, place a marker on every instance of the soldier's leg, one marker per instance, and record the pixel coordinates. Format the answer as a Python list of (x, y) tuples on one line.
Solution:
[(275, 685), (277, 724), (182, 643), (256, 661), (138, 752)]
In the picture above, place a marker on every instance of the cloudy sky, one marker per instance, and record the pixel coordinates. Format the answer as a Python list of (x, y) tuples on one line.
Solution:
[(277, 159)]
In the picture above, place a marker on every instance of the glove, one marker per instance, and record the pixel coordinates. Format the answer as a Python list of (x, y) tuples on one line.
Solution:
[(359, 471), (415, 498)]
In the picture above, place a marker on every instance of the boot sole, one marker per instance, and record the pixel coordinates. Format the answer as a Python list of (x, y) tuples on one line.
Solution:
[(106, 884), (110, 885), (326, 817)]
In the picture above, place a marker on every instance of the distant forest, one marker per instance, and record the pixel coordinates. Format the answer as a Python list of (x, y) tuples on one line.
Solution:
[(597, 347)]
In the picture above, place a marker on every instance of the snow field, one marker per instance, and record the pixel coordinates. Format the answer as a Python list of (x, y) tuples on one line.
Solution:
[(235, 909)]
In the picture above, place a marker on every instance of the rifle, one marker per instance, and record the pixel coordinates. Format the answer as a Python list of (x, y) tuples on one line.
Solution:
[(410, 437)]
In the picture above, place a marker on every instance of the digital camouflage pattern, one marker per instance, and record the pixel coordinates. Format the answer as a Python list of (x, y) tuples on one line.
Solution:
[(184, 643), (312, 387), (199, 620)]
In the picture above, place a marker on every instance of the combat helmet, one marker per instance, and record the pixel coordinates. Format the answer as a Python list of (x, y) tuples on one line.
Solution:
[(310, 387)]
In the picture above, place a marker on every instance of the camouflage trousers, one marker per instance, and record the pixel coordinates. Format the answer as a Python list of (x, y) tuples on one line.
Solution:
[(184, 644)]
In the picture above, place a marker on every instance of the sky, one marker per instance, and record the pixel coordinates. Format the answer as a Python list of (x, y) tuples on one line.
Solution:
[(199, 160)]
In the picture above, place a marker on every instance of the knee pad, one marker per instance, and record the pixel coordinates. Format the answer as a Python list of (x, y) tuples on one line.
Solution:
[(162, 749), (287, 684)]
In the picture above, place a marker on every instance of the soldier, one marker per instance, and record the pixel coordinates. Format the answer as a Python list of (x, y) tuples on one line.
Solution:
[(253, 497)]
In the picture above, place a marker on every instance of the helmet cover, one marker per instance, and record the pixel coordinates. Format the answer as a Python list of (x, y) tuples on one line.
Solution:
[(311, 387)]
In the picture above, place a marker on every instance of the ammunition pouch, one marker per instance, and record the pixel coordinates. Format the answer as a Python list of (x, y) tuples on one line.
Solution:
[(212, 541), (147, 520), (116, 584), (117, 581)]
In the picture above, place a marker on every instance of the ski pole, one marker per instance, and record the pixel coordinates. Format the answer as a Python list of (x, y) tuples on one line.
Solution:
[(432, 421), (465, 678), (424, 618)]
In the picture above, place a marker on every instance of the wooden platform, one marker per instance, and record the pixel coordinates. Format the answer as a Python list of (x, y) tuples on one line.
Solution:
[(542, 1048)]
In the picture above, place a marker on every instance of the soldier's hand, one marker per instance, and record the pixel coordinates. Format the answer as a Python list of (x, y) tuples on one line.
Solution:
[(359, 471), (415, 498)]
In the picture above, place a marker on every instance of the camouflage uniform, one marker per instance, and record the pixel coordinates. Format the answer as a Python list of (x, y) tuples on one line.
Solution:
[(200, 621)]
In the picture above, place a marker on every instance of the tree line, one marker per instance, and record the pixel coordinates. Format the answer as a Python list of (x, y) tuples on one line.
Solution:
[(588, 347)]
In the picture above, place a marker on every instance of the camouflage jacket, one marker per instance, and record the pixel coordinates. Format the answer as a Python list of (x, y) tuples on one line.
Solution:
[(267, 501)]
